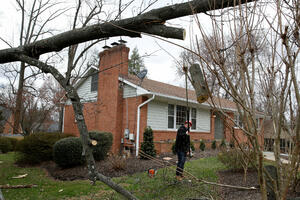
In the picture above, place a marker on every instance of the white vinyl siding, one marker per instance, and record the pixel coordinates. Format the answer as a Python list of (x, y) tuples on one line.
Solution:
[(157, 117), (129, 91), (203, 120), (84, 91)]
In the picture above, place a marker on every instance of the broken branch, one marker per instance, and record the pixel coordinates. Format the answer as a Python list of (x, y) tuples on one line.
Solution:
[(16, 186)]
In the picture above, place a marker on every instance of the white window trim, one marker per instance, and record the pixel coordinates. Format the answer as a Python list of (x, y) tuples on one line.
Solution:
[(236, 122), (175, 111), (257, 120)]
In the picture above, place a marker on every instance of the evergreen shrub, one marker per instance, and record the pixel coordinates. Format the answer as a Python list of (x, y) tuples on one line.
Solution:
[(5, 145), (67, 152), (192, 146), (202, 145), (147, 145), (13, 142), (214, 144), (37, 147), (104, 143), (222, 144)]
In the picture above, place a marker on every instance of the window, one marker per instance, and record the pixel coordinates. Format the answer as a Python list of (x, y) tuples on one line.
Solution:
[(170, 116), (282, 145), (238, 121), (181, 116), (94, 82), (193, 118), (268, 144)]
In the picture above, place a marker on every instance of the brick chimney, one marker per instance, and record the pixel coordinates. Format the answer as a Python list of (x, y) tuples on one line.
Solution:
[(113, 62)]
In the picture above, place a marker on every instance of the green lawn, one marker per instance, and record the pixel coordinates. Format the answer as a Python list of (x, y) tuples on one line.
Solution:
[(162, 186)]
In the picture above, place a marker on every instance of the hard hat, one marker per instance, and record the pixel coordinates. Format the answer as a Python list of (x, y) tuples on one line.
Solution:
[(188, 122)]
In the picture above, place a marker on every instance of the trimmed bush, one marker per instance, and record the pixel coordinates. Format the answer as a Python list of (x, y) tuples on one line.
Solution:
[(214, 144), (37, 147), (147, 145), (231, 144), (67, 152), (5, 145), (202, 145), (223, 144), (104, 143), (13, 142), (192, 146)]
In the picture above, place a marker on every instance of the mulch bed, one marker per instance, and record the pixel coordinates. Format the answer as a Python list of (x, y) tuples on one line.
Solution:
[(236, 178), (134, 165)]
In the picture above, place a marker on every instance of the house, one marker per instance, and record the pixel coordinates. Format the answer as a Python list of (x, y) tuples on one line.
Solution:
[(6, 124), (120, 103), (286, 138)]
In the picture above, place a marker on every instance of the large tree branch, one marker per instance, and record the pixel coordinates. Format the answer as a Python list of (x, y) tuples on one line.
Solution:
[(131, 27)]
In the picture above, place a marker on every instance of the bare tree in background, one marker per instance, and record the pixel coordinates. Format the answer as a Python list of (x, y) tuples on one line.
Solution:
[(253, 51), (151, 22), (189, 57), (33, 26), (37, 107), (55, 96)]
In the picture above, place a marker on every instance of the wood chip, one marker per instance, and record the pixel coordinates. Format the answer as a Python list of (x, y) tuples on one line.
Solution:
[(94, 142), (167, 158), (20, 176)]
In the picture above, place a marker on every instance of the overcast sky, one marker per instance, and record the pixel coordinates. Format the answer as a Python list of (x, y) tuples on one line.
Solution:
[(160, 64)]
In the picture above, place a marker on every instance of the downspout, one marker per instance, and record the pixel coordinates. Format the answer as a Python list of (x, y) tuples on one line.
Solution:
[(138, 124), (63, 120)]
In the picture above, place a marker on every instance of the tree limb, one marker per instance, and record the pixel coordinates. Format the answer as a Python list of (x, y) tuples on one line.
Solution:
[(16, 186), (141, 23)]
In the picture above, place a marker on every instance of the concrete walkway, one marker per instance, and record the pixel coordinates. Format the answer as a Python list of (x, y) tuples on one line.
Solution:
[(270, 156)]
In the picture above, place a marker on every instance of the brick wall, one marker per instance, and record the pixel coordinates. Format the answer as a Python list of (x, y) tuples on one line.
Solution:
[(90, 111), (239, 134), (110, 94), (8, 126), (105, 114)]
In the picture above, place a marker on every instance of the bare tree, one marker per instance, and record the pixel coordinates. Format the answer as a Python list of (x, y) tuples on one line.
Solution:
[(33, 26), (262, 52), (151, 22)]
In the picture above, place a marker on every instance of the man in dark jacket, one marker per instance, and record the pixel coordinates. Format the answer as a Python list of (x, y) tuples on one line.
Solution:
[(182, 147)]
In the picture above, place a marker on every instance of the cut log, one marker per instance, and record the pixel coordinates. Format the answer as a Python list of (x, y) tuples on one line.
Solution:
[(198, 83)]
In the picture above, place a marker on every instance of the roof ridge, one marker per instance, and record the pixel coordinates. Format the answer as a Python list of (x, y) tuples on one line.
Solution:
[(130, 76)]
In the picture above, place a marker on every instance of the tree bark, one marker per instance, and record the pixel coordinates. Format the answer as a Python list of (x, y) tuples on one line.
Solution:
[(19, 104)]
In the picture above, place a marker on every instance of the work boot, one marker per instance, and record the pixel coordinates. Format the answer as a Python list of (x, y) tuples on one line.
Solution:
[(179, 178)]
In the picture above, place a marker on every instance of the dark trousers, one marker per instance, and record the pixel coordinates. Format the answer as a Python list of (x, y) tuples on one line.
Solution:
[(180, 165)]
